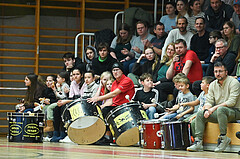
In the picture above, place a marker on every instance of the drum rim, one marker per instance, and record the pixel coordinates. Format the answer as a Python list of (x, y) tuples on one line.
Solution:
[(119, 107), (174, 122), (155, 121)]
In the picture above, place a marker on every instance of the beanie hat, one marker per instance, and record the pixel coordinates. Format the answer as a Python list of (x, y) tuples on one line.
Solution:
[(118, 65)]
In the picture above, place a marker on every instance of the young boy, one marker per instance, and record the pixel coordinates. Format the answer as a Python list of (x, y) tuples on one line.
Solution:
[(70, 63), (92, 86), (199, 102), (147, 96), (178, 112)]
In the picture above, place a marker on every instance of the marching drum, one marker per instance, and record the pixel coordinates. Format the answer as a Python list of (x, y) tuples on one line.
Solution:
[(123, 123), (151, 134), (84, 122), (176, 135), (25, 127)]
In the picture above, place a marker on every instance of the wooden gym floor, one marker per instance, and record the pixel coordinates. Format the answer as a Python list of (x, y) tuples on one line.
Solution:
[(16, 150)]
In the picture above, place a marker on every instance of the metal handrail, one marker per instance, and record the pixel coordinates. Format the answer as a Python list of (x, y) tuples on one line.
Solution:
[(83, 43), (115, 20), (15, 89)]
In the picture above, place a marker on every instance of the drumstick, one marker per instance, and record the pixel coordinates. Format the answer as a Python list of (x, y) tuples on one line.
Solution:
[(127, 97)]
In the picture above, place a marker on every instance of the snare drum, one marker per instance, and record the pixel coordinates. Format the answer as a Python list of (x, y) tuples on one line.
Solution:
[(151, 134), (176, 135), (84, 122), (25, 127), (123, 123)]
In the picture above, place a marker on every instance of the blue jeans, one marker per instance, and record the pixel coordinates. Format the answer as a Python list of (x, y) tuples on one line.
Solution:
[(170, 116), (150, 112)]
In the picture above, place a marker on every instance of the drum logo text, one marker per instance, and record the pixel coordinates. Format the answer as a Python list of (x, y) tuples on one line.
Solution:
[(123, 119), (76, 111), (31, 129), (15, 130)]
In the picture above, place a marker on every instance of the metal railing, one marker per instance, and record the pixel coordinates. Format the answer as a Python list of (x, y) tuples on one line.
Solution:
[(83, 43)]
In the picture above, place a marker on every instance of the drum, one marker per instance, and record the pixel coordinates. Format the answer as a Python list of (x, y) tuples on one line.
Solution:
[(83, 121), (123, 123), (176, 135), (151, 134), (25, 127)]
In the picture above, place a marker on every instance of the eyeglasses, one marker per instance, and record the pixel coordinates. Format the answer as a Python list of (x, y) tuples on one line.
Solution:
[(218, 48), (219, 71), (211, 37)]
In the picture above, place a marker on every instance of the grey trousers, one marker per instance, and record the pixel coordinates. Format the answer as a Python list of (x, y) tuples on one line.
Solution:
[(222, 116)]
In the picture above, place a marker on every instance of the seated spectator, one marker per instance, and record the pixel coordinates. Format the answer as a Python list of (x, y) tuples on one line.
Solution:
[(170, 19), (35, 87), (147, 96), (157, 42), (182, 8), (163, 85), (213, 37), (222, 55), (236, 15), (229, 34), (179, 33), (166, 62), (138, 43), (77, 84), (178, 112), (122, 42), (49, 98), (70, 62), (186, 62), (121, 87), (104, 61), (90, 54), (151, 65), (59, 90), (199, 102), (105, 76), (200, 41), (221, 106), (194, 12), (217, 14), (90, 90)]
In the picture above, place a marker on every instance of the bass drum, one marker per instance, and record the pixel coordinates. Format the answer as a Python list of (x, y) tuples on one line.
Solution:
[(25, 127), (123, 123), (84, 122)]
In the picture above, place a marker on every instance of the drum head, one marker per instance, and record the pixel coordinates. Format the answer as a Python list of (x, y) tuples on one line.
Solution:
[(86, 130), (128, 138)]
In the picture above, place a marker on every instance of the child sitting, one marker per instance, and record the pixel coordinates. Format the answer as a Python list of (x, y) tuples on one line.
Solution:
[(105, 76), (178, 112), (62, 79), (200, 101), (147, 96), (92, 86)]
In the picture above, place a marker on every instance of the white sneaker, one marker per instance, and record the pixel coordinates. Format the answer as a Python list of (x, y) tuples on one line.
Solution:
[(223, 142), (196, 147), (46, 139), (66, 140)]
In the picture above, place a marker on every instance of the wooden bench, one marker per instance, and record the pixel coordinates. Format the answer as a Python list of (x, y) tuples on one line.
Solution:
[(211, 136)]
